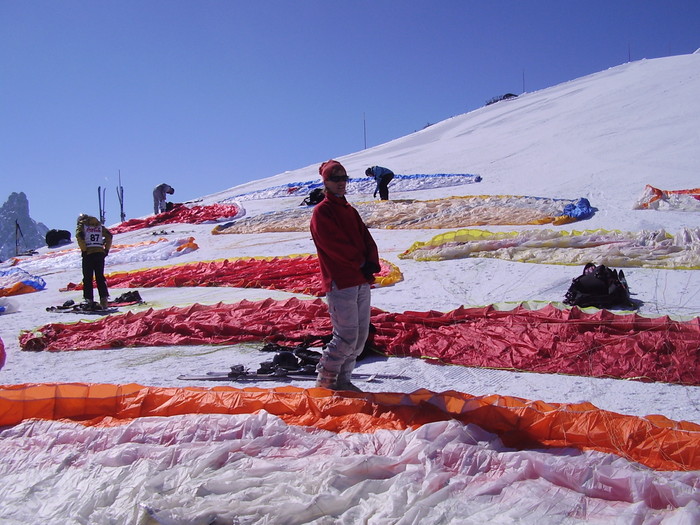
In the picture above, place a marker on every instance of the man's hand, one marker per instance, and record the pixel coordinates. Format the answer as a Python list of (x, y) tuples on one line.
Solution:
[(369, 269)]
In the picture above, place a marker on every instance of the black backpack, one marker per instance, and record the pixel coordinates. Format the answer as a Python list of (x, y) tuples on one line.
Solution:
[(601, 287), (57, 238), (314, 197)]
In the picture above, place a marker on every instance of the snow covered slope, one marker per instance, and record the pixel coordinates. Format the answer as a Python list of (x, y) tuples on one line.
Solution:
[(603, 137)]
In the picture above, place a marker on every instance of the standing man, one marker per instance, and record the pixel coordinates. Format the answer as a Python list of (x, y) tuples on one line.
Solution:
[(94, 241), (348, 259), (159, 195), (383, 177)]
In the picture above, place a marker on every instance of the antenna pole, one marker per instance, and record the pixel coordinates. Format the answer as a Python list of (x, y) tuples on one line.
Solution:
[(364, 126), (102, 201), (18, 235), (120, 196)]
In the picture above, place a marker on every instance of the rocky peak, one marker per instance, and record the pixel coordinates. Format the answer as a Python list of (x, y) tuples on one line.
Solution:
[(17, 229)]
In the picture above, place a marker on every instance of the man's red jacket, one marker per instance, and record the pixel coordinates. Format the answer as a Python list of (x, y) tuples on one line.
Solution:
[(343, 242)]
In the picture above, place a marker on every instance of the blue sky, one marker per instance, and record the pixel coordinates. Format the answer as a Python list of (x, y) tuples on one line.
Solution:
[(209, 94)]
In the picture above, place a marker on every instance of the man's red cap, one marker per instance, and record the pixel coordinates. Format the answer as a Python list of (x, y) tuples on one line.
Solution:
[(328, 168)]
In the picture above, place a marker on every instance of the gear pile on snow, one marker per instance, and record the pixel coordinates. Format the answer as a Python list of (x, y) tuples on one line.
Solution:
[(601, 287), (302, 358), (91, 307)]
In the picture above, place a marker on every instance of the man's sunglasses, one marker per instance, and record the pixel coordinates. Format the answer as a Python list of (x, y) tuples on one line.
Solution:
[(338, 178)]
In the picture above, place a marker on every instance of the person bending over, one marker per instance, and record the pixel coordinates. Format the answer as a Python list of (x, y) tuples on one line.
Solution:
[(383, 177), (160, 193), (94, 241)]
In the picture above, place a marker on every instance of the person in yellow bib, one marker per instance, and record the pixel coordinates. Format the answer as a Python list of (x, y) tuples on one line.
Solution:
[(94, 241)]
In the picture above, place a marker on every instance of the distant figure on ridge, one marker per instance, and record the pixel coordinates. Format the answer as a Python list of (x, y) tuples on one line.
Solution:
[(348, 259), (159, 195), (383, 177), (94, 241)]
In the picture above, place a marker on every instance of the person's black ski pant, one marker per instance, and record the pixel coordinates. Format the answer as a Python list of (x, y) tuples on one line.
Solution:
[(94, 265)]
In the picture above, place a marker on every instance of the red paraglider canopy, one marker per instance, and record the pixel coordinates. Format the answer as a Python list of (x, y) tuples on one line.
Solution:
[(181, 214), (547, 340), (296, 273)]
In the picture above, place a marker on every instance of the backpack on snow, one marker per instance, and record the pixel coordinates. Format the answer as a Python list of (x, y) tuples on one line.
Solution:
[(314, 198), (57, 238), (599, 286)]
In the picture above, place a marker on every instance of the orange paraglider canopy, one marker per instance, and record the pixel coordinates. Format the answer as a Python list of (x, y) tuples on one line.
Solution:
[(654, 441)]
